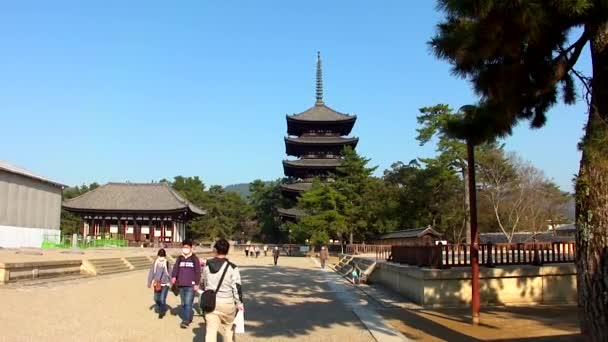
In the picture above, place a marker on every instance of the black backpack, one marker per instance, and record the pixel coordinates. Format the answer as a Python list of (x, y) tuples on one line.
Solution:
[(207, 301)]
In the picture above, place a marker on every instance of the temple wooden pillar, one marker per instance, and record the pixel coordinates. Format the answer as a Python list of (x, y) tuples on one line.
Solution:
[(136, 232), (162, 229), (151, 230), (173, 231), (118, 226)]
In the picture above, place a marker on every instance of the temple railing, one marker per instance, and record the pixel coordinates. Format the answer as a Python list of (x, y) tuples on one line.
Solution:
[(456, 255)]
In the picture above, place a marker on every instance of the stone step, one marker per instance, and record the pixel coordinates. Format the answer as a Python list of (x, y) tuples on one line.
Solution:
[(121, 265), (139, 262), (109, 265), (110, 261), (67, 277), (116, 269)]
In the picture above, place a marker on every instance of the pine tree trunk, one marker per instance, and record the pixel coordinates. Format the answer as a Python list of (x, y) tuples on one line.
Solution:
[(592, 198), (467, 207)]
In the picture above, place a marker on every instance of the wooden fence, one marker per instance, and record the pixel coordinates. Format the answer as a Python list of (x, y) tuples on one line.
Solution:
[(382, 252), (445, 256)]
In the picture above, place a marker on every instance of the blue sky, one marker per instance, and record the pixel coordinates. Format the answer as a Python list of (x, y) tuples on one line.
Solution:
[(143, 90)]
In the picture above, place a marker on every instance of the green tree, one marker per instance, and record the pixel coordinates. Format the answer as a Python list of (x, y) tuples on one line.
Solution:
[(71, 223), (227, 212), (352, 179), (325, 209), (429, 195), (434, 122), (265, 198), (519, 59), (379, 208)]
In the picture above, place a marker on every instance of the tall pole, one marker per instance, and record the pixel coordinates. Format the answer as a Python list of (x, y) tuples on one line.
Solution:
[(474, 236)]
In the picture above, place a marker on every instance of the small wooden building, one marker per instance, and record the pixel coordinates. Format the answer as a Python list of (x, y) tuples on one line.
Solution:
[(410, 237), (134, 212)]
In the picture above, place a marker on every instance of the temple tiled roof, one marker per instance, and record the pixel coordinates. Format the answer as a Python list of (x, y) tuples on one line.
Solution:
[(410, 233), (135, 197)]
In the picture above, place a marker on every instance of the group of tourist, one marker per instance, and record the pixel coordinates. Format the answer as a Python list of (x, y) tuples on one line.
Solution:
[(254, 251), (220, 287), (251, 251)]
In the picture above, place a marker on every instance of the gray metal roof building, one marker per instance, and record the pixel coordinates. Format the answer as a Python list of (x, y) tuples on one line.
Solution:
[(30, 207)]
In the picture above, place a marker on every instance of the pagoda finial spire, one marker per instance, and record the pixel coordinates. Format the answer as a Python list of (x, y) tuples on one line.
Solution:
[(319, 80)]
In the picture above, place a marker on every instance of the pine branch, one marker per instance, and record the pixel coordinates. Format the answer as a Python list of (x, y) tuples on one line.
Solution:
[(564, 62)]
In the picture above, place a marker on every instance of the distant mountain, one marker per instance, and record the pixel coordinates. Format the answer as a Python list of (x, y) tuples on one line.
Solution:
[(241, 189)]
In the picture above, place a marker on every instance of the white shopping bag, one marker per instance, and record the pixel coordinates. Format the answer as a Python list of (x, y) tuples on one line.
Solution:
[(239, 322)]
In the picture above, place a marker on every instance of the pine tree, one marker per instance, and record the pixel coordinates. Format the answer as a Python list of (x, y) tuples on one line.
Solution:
[(520, 61)]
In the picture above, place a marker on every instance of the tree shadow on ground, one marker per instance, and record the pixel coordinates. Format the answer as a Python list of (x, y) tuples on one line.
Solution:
[(427, 322), (497, 286), (426, 326), (290, 302)]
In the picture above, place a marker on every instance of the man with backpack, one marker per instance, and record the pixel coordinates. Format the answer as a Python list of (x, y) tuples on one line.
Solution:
[(223, 295), (186, 275)]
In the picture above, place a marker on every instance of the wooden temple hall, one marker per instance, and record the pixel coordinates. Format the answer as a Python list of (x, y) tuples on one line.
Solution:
[(316, 138), (134, 211)]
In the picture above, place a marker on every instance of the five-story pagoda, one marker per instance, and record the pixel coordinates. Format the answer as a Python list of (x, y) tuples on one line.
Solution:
[(317, 138)]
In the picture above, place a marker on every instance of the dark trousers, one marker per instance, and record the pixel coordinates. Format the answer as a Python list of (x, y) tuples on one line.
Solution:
[(160, 298), (186, 294), (276, 258)]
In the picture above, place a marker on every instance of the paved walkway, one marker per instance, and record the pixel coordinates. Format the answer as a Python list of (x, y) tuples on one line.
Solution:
[(294, 301)]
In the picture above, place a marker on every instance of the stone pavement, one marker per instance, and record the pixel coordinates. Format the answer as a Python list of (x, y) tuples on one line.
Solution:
[(295, 301)]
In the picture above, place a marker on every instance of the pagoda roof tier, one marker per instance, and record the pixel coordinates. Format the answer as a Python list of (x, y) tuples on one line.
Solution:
[(296, 187), (132, 198), (291, 212), (320, 118), (306, 167), (320, 140), (299, 128), (321, 113), (299, 146)]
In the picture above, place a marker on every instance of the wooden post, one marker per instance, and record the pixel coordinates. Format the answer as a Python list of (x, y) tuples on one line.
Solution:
[(174, 230), (474, 235), (135, 230)]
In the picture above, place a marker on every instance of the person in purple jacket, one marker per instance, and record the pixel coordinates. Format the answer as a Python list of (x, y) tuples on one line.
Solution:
[(187, 275)]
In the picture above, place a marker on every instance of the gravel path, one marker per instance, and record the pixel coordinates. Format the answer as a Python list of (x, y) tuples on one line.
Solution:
[(290, 302)]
